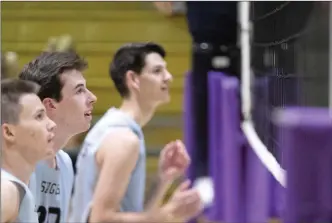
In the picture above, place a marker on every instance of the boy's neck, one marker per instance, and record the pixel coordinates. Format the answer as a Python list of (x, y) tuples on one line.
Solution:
[(142, 114)]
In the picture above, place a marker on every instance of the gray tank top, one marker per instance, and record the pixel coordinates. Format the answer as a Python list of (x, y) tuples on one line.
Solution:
[(87, 169), (27, 206)]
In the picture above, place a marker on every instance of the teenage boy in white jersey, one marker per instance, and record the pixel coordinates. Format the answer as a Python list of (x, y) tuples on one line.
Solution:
[(110, 181), (27, 137), (69, 104)]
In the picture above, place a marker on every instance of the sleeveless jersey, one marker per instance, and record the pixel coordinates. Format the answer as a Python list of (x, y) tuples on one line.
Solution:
[(27, 206), (87, 169), (52, 189)]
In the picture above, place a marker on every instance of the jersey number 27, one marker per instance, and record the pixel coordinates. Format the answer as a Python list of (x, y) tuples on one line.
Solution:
[(43, 213)]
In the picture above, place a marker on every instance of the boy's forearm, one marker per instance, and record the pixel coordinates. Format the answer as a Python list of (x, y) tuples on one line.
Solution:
[(157, 193)]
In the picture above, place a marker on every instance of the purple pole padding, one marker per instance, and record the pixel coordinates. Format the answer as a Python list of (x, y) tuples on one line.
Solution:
[(189, 125), (225, 149), (269, 92), (307, 156), (188, 122), (214, 118), (258, 189), (259, 199), (256, 173), (280, 97), (214, 83)]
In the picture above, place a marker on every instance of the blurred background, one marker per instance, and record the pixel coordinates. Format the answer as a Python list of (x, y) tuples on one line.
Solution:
[(97, 30)]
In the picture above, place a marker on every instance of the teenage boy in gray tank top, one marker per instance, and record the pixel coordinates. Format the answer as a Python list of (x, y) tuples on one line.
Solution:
[(27, 137), (110, 181)]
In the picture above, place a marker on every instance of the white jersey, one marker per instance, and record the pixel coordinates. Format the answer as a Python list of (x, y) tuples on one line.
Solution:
[(52, 189), (87, 169), (26, 211)]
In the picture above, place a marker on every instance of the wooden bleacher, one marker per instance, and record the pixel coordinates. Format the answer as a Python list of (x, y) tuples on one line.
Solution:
[(98, 29)]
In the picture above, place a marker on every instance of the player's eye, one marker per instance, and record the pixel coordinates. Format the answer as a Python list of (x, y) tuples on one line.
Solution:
[(40, 116), (80, 90), (157, 71)]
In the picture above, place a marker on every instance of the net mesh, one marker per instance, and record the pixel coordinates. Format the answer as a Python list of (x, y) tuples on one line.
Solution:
[(289, 60)]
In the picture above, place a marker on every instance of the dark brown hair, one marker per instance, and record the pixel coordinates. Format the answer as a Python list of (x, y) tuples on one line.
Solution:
[(11, 92), (47, 69), (131, 57)]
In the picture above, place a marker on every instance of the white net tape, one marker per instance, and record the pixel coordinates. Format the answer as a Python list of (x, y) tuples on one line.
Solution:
[(247, 126)]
